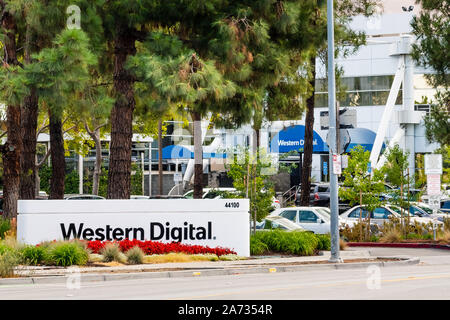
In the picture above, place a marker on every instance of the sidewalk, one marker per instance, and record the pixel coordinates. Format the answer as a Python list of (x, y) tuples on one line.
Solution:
[(268, 264)]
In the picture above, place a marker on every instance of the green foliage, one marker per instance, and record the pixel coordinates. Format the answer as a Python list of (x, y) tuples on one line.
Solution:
[(34, 255), (296, 243), (66, 254), (437, 122), (359, 186), (257, 246), (45, 174), (5, 226), (432, 29), (71, 182), (395, 169), (396, 166), (135, 255), (136, 180), (324, 242), (103, 183), (4, 247), (432, 50), (252, 176)]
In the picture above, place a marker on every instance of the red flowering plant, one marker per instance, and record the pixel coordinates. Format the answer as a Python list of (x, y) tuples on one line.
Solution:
[(154, 247)]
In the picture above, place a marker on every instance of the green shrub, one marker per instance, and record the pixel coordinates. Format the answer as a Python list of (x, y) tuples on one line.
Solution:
[(34, 255), (111, 252), (135, 255), (324, 242), (5, 225), (67, 254), (297, 243), (5, 248), (257, 247)]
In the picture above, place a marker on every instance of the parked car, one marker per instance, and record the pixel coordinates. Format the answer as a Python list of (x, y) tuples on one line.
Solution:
[(314, 219), (82, 197), (320, 197), (167, 197), (414, 211), (379, 216), (445, 206), (278, 222), (209, 193), (440, 215)]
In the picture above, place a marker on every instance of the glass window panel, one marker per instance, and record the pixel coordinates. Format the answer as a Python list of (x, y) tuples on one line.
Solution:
[(379, 98), (321, 100), (321, 85), (307, 217), (380, 213), (365, 83), (366, 99), (355, 213), (289, 214)]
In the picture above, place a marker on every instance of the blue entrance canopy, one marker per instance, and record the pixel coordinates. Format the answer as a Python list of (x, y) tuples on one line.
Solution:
[(293, 139), (361, 137)]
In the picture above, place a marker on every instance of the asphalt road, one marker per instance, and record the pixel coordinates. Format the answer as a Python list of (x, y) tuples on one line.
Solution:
[(428, 280)]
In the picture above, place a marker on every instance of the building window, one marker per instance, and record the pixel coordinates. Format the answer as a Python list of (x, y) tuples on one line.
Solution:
[(359, 91)]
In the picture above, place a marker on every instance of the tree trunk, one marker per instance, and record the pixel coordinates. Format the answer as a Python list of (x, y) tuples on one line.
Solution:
[(11, 163), (98, 161), (29, 122), (308, 146), (95, 135), (13, 147), (119, 173), (29, 127), (160, 162), (198, 156), (57, 157)]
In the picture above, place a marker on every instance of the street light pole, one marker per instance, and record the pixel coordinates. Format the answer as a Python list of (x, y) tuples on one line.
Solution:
[(335, 256)]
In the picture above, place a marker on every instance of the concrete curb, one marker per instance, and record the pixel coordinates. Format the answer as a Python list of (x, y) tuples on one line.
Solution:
[(96, 277), (400, 245)]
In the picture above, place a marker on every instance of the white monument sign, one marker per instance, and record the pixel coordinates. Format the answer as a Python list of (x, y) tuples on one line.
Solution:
[(207, 222)]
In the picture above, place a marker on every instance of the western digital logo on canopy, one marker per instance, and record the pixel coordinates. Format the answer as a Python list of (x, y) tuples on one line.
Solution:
[(287, 143), (156, 231)]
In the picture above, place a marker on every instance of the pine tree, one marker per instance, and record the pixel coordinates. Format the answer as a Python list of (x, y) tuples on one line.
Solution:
[(432, 50), (59, 75)]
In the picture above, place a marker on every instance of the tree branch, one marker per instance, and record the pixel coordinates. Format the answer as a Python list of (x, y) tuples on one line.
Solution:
[(39, 164)]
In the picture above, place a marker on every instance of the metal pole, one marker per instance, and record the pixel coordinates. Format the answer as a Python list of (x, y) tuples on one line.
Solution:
[(160, 162), (80, 174), (335, 256), (143, 172), (150, 168)]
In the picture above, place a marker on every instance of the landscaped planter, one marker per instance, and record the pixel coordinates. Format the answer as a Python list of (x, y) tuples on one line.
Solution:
[(153, 247)]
